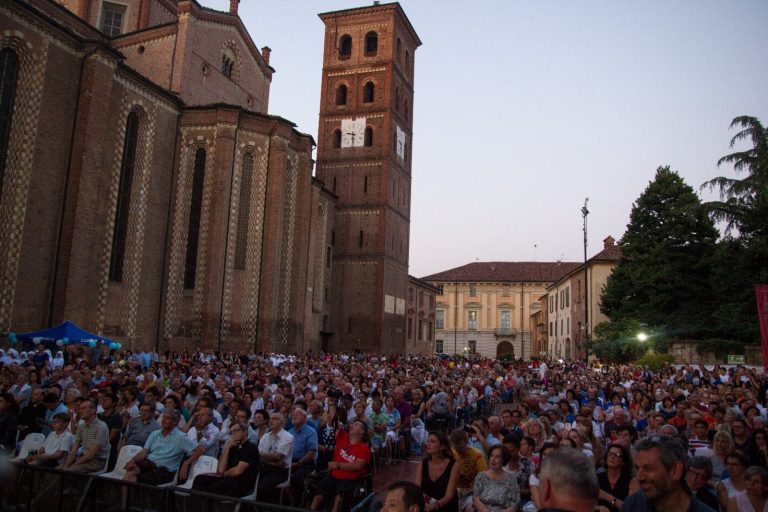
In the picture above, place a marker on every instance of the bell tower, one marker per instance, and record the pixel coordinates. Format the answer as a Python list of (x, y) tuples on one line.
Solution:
[(364, 157)]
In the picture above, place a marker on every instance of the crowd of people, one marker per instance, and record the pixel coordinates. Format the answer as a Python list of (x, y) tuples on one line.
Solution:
[(618, 437)]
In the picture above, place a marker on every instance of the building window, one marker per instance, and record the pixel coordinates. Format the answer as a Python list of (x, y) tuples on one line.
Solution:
[(120, 229), (577, 293), (360, 240), (421, 298), (472, 346), (550, 329), (407, 61), (336, 138), (506, 317), (365, 185), (439, 319), (431, 331), (568, 297), (9, 70), (345, 47), (371, 44), (341, 95), (472, 320), (193, 228), (562, 331), (472, 290), (368, 137), (410, 328), (368, 92), (228, 63), (244, 212), (439, 346), (397, 99), (505, 290), (422, 330), (399, 48), (112, 19), (568, 326), (328, 256)]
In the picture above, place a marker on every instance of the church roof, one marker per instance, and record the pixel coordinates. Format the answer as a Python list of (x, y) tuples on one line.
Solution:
[(506, 271)]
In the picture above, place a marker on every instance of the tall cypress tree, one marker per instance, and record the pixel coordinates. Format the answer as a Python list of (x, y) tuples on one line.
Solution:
[(664, 274)]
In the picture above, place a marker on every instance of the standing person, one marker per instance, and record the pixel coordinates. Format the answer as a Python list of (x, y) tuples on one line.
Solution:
[(496, 490), (755, 497), (568, 482), (437, 475), (616, 481), (660, 463)]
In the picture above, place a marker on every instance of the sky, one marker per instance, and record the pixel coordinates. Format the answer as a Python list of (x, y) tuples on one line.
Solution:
[(522, 109)]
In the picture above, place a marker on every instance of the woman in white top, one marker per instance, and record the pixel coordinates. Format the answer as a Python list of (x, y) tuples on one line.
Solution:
[(727, 488), (755, 497)]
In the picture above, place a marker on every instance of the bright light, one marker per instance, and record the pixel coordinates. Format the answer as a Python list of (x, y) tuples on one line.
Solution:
[(642, 336)]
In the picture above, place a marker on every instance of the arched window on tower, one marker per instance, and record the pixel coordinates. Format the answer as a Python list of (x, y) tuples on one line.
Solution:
[(345, 46), (193, 227), (337, 138), (368, 139), (368, 92), (407, 61), (399, 48), (371, 44), (9, 71), (244, 212), (120, 228), (397, 99), (341, 95)]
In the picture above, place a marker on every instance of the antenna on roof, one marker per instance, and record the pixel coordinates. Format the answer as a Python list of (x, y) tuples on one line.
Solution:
[(534, 252)]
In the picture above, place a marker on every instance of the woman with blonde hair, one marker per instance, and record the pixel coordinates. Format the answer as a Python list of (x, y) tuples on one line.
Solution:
[(534, 428)]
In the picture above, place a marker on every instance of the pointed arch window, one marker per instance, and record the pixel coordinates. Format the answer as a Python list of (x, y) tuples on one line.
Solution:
[(341, 95), (120, 229), (368, 92), (193, 227), (244, 212), (9, 71), (345, 46)]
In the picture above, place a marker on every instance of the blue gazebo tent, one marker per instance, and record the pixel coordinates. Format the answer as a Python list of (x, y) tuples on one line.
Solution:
[(68, 330)]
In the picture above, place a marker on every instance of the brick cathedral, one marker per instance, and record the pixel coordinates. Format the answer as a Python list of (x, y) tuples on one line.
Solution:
[(148, 194)]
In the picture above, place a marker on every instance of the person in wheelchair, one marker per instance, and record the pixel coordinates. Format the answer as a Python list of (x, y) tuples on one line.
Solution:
[(348, 466)]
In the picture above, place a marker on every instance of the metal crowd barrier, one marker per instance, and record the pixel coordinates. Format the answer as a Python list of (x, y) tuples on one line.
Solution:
[(34, 488)]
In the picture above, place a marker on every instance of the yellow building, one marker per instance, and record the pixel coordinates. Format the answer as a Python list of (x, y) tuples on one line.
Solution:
[(565, 298), (486, 308)]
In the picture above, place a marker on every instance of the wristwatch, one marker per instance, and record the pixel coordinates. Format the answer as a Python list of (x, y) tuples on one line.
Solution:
[(613, 501)]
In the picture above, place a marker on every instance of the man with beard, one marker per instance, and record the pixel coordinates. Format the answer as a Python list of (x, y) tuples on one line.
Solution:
[(660, 463)]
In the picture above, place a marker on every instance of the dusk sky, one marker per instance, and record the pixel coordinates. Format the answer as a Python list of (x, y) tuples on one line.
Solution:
[(524, 108)]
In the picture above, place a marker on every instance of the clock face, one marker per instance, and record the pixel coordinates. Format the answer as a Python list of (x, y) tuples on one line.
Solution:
[(352, 132), (400, 143)]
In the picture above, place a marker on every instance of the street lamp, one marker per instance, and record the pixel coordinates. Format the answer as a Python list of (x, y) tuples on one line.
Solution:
[(642, 336), (584, 213)]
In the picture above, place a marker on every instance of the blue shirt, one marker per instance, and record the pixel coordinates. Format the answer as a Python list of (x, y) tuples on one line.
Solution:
[(304, 440), (168, 451)]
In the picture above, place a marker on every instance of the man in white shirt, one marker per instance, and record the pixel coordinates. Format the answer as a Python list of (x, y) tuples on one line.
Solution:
[(57, 444), (276, 451), (206, 435)]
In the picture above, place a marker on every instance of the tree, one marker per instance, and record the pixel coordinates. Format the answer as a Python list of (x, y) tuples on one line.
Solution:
[(741, 258), (743, 204), (617, 342), (663, 276)]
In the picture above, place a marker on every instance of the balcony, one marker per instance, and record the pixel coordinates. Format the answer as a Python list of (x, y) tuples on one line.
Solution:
[(505, 331)]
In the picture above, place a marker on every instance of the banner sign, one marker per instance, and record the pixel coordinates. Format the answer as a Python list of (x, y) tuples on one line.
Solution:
[(761, 294), (736, 359)]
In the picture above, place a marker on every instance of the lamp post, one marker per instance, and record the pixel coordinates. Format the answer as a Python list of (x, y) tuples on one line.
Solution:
[(584, 213), (455, 319)]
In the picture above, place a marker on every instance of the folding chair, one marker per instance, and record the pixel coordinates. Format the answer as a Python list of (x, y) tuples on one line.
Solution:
[(286, 485), (31, 442), (205, 464), (126, 454)]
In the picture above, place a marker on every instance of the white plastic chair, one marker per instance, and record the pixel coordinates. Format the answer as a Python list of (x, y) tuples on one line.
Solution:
[(282, 486), (126, 453), (286, 485), (33, 441), (205, 464), (106, 463)]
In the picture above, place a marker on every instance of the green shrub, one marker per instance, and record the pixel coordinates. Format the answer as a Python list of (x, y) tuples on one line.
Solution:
[(655, 361)]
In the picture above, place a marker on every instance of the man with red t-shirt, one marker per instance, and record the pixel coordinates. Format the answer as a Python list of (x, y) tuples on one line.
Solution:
[(349, 463)]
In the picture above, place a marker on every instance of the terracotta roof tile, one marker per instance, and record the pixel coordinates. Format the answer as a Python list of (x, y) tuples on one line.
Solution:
[(506, 271)]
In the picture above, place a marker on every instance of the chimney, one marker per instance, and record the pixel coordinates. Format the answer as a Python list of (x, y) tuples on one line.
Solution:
[(233, 4), (265, 51), (609, 242)]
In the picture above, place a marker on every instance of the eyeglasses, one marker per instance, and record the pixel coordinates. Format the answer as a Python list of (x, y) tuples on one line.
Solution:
[(615, 454)]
